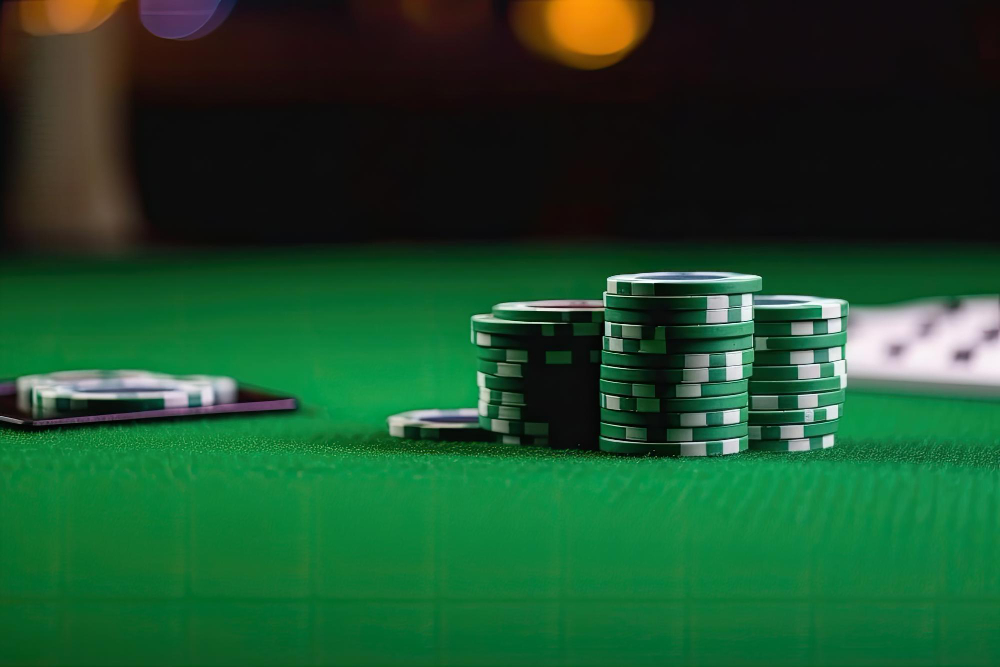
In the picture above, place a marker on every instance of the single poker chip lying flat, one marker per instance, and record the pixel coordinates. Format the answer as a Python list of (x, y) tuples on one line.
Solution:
[(679, 317), (676, 375), (733, 417), (539, 357), (798, 386), (791, 307), (675, 303), (797, 445), (793, 357), (800, 372), (486, 323), (449, 425), (793, 431), (767, 343), (613, 402), (637, 353), (679, 332), (796, 401), (682, 449), (683, 283), (119, 394), (800, 328), (553, 310), (807, 416), (535, 343), (678, 390)]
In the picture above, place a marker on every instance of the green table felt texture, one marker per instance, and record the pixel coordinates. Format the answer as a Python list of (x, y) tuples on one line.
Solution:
[(314, 538)]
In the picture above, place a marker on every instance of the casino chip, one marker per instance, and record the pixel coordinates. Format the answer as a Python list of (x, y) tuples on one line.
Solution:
[(705, 448), (799, 375), (449, 425), (120, 394), (537, 371), (683, 283)]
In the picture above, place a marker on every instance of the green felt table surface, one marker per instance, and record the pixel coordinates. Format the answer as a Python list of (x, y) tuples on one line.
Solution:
[(314, 537)]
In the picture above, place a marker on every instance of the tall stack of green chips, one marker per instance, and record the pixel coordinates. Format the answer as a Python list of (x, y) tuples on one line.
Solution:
[(799, 372), (537, 371), (676, 358)]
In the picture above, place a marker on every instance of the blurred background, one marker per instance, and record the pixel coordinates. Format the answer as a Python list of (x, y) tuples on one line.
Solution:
[(143, 123)]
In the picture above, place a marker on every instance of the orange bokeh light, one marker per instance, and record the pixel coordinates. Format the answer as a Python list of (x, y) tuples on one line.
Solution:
[(586, 34), (63, 17)]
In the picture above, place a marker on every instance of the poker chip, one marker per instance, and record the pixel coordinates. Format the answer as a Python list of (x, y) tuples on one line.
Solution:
[(639, 355), (543, 357), (796, 401), (675, 303), (680, 449), (800, 371), (493, 325), (792, 431), (683, 283), (676, 375), (668, 390), (767, 343), (673, 333), (680, 317), (107, 395), (790, 308), (734, 417), (801, 327), (557, 310), (671, 405), (797, 386), (798, 357), (448, 425), (809, 416), (797, 445)]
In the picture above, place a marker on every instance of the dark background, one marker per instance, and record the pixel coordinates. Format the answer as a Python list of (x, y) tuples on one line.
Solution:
[(327, 122)]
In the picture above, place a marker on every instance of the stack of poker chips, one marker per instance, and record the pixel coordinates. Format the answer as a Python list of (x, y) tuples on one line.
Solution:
[(677, 352), (799, 373), (92, 392), (537, 371)]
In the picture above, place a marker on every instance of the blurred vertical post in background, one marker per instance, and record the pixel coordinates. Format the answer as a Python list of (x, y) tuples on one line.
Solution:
[(70, 185)]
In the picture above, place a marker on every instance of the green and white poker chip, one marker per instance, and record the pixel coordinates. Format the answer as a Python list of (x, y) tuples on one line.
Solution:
[(683, 283), (800, 372), (809, 416), (768, 343), (523, 440), (511, 412), (800, 327), (642, 354), (674, 303), (553, 310), (535, 343), (790, 307), (672, 347), (676, 375), (796, 401), (798, 445), (663, 405), (668, 390), (661, 432), (682, 449), (502, 397), (732, 417), (449, 425), (118, 394), (680, 317), (536, 371), (797, 386), (793, 431), (794, 357), (676, 333), (485, 323), (539, 357), (514, 426)]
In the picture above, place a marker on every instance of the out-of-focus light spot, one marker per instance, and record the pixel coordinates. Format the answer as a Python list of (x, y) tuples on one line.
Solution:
[(586, 34), (64, 17), (593, 27), (183, 19)]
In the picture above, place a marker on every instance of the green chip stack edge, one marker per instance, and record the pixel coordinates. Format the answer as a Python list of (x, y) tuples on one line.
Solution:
[(676, 356), (799, 377), (537, 371)]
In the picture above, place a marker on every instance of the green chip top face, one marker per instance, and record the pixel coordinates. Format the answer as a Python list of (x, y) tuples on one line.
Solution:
[(779, 307), (552, 310), (680, 283)]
